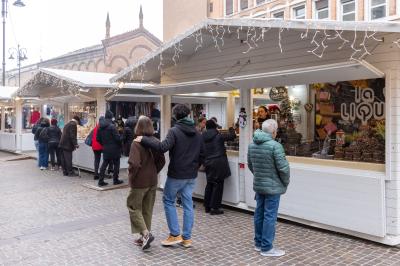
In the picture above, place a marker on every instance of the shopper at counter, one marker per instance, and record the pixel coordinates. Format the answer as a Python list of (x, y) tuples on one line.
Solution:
[(41, 134), (54, 133), (144, 166), (68, 144), (186, 153), (97, 149), (216, 165), (266, 160), (35, 140), (111, 140), (128, 135)]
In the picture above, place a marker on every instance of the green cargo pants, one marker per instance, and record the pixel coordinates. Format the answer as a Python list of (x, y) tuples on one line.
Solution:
[(140, 203)]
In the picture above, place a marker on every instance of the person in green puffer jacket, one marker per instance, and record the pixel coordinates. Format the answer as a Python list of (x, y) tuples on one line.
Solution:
[(266, 160)]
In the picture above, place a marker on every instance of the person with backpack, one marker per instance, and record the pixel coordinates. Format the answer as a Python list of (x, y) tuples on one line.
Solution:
[(35, 140), (42, 136), (54, 134), (144, 166)]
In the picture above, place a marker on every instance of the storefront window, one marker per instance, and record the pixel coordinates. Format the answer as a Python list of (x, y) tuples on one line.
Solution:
[(10, 121), (335, 121), (30, 116)]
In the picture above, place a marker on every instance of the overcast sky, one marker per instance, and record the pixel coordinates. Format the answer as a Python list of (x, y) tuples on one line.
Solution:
[(48, 28)]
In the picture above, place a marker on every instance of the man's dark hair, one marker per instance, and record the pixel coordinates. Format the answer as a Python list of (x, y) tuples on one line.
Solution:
[(77, 119), (180, 111)]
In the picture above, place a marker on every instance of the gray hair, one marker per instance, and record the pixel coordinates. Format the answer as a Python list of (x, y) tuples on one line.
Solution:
[(270, 126)]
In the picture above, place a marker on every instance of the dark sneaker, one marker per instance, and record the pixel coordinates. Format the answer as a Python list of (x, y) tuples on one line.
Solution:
[(147, 241), (216, 212), (208, 210), (102, 184), (117, 182)]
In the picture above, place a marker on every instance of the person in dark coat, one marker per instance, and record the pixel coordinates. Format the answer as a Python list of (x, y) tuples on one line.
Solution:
[(128, 135), (68, 144), (54, 133), (111, 140), (216, 165), (41, 134)]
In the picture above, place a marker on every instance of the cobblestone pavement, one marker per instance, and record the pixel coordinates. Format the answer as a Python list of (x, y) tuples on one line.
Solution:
[(48, 219)]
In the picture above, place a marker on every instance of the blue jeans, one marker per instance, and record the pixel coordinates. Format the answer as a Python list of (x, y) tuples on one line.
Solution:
[(37, 149), (185, 188), (265, 217), (43, 155)]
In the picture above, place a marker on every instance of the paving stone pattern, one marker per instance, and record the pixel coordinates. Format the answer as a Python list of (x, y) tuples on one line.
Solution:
[(48, 219)]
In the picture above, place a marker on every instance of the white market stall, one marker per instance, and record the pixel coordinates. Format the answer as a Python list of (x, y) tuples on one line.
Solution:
[(61, 94), (358, 192), (14, 136)]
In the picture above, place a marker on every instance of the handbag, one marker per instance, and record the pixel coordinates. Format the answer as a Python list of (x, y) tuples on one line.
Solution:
[(88, 140)]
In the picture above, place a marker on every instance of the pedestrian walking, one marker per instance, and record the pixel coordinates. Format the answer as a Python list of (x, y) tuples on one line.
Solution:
[(42, 136), (186, 153), (144, 166), (216, 166), (54, 133), (128, 135), (69, 143), (111, 140), (267, 161)]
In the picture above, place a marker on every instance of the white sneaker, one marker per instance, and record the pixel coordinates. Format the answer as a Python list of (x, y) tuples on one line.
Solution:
[(258, 249), (274, 252), (42, 168)]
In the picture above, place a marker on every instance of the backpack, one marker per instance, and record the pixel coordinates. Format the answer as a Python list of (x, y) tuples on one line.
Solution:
[(88, 140), (44, 134)]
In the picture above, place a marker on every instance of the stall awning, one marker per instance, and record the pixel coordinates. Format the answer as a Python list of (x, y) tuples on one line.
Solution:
[(219, 48), (7, 92), (51, 83), (209, 85), (308, 75)]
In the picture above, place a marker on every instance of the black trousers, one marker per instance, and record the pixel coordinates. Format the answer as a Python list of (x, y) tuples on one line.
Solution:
[(97, 158), (54, 152), (213, 194), (66, 162), (115, 162)]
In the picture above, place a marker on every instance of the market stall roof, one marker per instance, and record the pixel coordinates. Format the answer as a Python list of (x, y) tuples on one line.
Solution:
[(7, 92), (49, 83), (249, 43)]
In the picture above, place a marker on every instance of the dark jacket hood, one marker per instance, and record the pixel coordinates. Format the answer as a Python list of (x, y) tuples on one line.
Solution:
[(104, 123), (210, 134), (44, 124), (189, 130), (131, 122)]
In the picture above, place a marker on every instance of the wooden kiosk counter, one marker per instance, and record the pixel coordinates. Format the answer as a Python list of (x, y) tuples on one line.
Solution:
[(329, 81)]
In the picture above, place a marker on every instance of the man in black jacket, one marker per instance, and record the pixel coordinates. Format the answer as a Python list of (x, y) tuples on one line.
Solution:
[(185, 147), (68, 143), (111, 141)]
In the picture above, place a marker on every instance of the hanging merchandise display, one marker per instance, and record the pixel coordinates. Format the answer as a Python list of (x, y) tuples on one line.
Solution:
[(242, 118)]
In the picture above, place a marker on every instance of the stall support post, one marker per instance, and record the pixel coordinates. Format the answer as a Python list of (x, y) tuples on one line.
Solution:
[(165, 115), (66, 113), (3, 118), (18, 125), (230, 110), (101, 104), (246, 133)]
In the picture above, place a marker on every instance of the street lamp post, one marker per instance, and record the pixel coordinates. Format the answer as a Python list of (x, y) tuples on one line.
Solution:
[(20, 56), (4, 3)]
